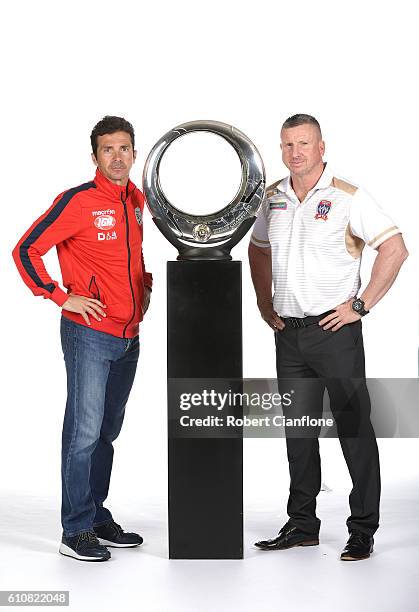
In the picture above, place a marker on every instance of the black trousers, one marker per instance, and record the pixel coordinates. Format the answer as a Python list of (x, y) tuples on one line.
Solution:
[(309, 360)]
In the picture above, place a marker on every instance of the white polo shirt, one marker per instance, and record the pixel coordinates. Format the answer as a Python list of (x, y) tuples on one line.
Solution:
[(316, 245)]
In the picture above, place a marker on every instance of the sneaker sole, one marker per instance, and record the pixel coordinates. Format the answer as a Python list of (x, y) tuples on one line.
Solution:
[(69, 552), (115, 545), (308, 543)]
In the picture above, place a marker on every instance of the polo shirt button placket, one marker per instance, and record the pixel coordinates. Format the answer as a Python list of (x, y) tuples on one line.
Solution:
[(293, 255)]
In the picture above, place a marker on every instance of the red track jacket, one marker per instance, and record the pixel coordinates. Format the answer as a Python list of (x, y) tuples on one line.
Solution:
[(97, 228)]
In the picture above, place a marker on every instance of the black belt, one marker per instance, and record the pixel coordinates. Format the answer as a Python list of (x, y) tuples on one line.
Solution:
[(296, 323)]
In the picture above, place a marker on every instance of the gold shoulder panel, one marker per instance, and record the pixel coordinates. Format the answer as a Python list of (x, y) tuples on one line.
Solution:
[(270, 190), (344, 186)]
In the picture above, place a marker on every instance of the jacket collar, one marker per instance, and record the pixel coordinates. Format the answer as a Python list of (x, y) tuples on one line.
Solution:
[(112, 190)]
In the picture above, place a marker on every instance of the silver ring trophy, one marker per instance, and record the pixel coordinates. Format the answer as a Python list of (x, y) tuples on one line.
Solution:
[(204, 303), (212, 236)]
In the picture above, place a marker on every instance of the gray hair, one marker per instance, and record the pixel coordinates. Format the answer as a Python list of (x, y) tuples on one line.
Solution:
[(301, 119)]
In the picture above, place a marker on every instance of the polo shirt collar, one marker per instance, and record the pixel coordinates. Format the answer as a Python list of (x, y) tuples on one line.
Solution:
[(324, 181)]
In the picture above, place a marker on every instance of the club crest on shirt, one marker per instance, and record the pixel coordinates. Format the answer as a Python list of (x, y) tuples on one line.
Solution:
[(138, 215), (277, 206), (323, 209)]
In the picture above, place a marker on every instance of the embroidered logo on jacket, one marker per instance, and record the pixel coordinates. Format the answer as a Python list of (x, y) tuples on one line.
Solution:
[(138, 215), (323, 209)]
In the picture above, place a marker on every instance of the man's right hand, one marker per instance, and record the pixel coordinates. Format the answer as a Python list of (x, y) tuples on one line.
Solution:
[(271, 317), (85, 306)]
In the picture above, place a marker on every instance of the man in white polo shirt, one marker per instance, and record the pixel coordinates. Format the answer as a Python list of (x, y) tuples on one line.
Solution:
[(308, 239)]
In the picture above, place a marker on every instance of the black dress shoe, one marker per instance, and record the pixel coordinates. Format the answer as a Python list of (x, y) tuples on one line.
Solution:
[(359, 546), (287, 538), (84, 547), (112, 534)]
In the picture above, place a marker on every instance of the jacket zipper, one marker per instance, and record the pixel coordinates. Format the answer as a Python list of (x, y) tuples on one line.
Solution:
[(124, 202)]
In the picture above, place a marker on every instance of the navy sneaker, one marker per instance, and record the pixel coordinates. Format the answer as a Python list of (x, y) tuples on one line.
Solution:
[(112, 534), (84, 547)]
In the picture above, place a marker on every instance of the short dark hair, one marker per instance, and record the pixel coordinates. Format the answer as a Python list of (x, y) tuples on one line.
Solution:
[(301, 119), (109, 125)]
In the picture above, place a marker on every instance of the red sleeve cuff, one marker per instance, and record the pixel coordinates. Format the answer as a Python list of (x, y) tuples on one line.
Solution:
[(59, 296)]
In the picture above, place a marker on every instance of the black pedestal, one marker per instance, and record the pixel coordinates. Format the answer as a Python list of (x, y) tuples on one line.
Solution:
[(204, 340)]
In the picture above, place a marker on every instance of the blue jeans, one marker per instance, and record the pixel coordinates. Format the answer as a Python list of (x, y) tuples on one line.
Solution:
[(100, 372)]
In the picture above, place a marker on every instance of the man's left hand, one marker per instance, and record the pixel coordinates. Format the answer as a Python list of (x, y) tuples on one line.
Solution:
[(342, 315), (146, 300)]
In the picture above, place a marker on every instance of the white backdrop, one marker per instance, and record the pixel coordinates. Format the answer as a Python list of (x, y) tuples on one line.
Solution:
[(159, 64)]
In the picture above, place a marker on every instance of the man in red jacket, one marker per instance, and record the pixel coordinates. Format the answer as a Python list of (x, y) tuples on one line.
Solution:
[(97, 229)]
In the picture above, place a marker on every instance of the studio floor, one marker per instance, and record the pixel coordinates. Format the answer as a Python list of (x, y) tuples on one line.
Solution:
[(144, 579)]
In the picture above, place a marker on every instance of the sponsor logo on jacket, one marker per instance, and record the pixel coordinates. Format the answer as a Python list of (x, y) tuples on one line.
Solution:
[(105, 222), (99, 213), (107, 235)]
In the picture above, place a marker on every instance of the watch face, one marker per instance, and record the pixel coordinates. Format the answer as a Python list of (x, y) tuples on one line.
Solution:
[(358, 305)]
